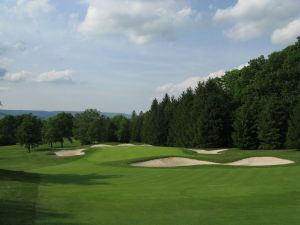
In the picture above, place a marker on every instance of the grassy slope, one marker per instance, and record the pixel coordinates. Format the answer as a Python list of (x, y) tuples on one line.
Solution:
[(100, 188)]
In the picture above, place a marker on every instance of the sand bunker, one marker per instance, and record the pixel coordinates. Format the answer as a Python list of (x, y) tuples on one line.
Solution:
[(124, 145), (208, 152), (69, 153), (260, 161), (180, 161), (120, 145), (101, 146), (171, 162)]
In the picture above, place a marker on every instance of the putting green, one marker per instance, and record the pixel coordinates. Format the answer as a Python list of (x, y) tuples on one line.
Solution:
[(102, 188)]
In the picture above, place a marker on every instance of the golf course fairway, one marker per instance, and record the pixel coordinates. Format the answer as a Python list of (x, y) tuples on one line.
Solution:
[(101, 188)]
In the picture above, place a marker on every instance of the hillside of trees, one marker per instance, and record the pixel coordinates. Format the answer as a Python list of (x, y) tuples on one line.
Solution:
[(256, 107)]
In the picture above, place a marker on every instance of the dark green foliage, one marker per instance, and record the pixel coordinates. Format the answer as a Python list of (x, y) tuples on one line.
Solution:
[(29, 133), (181, 129), (249, 108), (272, 124), (49, 131), (156, 122), (151, 124), (136, 125), (8, 126), (64, 125), (212, 108), (88, 126), (57, 128), (122, 128), (245, 127), (293, 135)]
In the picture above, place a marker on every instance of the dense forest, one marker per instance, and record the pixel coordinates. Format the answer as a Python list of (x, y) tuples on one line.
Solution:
[(256, 107)]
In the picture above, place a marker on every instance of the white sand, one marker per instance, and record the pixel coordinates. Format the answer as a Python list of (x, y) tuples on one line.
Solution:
[(180, 161), (208, 152), (69, 153), (172, 162), (101, 146), (124, 145), (120, 145), (260, 161)]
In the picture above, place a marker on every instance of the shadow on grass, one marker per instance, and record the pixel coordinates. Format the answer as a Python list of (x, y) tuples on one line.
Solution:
[(25, 213), (76, 179), (20, 189), (21, 176)]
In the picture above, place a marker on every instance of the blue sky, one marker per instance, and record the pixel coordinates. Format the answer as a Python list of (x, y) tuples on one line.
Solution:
[(117, 55)]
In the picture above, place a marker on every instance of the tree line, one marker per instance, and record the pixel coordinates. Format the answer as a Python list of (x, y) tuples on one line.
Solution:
[(88, 127), (256, 107)]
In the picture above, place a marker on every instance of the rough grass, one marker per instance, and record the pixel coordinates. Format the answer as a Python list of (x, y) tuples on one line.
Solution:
[(101, 188)]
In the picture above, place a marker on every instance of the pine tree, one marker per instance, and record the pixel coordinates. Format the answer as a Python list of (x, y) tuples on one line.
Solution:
[(212, 113), (181, 132), (272, 125), (293, 135), (245, 135), (136, 127)]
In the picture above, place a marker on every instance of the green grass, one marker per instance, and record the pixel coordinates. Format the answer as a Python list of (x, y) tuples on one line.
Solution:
[(101, 188)]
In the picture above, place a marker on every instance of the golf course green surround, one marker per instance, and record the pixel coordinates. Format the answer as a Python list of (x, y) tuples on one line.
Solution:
[(101, 187)]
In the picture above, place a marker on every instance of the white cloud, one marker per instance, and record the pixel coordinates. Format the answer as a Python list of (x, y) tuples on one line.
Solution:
[(55, 76), (64, 76), (17, 77), (192, 82), (254, 18), (287, 34), (34, 7), (140, 21)]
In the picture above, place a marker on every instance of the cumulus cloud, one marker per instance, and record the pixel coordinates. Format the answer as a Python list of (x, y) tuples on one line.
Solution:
[(55, 76), (17, 77), (287, 34), (254, 18), (192, 82), (139, 20), (64, 76)]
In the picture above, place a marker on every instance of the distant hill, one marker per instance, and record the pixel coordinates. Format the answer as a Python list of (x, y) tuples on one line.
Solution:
[(47, 114)]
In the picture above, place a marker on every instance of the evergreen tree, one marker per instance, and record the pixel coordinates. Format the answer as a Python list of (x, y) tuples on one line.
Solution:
[(151, 130), (136, 127), (245, 127), (181, 129), (213, 115), (293, 135), (272, 125)]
